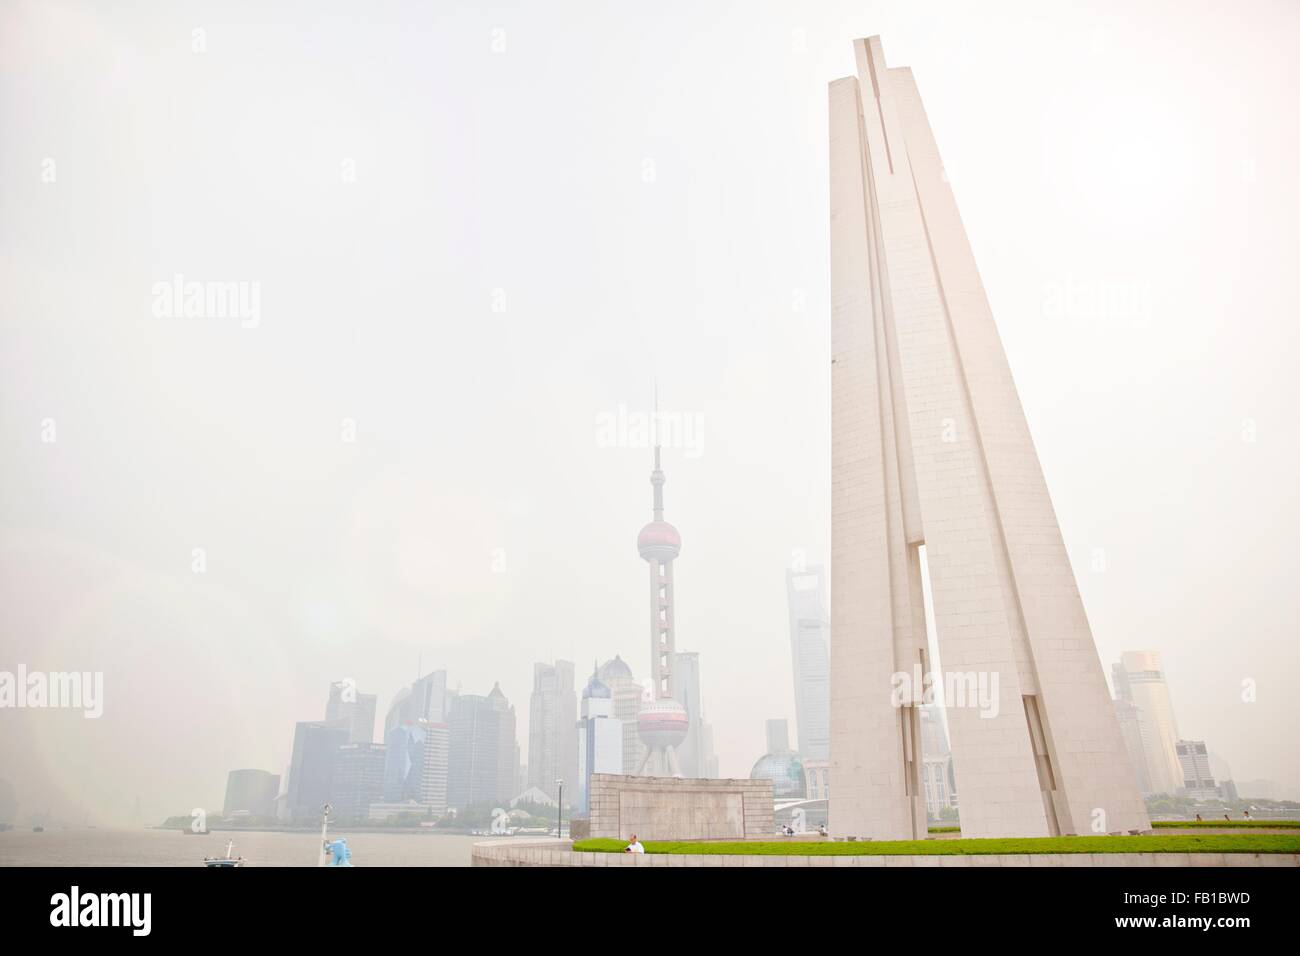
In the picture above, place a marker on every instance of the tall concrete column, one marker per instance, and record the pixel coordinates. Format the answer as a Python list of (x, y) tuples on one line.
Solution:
[(930, 448)]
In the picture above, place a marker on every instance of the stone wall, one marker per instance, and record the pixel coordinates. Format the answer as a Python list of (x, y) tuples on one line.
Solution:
[(670, 808)]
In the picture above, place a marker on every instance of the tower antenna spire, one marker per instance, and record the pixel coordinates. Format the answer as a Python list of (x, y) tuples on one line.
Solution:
[(654, 422), (657, 476)]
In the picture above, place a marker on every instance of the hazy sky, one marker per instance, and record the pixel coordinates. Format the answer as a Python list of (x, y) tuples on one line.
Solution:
[(478, 227)]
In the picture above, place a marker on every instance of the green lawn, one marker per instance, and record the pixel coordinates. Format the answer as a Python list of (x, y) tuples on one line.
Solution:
[(1188, 824), (1208, 843), (1225, 824)]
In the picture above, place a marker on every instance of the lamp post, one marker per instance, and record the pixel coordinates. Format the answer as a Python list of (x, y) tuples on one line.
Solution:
[(559, 812), (325, 812)]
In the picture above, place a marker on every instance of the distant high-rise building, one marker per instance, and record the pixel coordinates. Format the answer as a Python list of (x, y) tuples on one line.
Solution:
[(1198, 779), (709, 760), (357, 709), (600, 739), (311, 769), (424, 702), (434, 769), (1130, 728), (396, 710), (778, 736), (695, 755), (552, 714), (358, 780), (936, 763), (810, 633), (484, 756), (429, 698), (251, 792), (1140, 681), (426, 699), (628, 695), (404, 764)]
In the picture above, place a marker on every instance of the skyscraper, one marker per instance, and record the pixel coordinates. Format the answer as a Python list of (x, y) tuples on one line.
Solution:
[(429, 698), (357, 709), (426, 699), (600, 738), (627, 694), (1130, 728), (404, 761), (1198, 779), (932, 461), (405, 730), (434, 768), (311, 769), (358, 780), (483, 759), (552, 714), (1139, 681), (662, 724), (695, 755), (810, 629), (709, 755), (778, 736)]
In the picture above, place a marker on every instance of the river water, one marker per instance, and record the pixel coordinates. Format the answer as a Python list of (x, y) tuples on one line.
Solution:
[(99, 847)]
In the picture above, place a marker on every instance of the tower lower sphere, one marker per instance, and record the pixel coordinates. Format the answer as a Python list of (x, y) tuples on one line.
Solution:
[(662, 725)]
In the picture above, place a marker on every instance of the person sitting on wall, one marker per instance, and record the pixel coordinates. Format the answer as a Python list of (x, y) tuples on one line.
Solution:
[(635, 846)]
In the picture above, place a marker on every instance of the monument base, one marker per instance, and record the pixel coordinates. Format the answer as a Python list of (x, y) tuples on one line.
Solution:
[(673, 808)]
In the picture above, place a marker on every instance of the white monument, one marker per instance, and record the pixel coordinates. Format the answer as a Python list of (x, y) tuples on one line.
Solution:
[(930, 448)]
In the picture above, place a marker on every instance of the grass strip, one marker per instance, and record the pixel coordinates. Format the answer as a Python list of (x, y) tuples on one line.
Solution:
[(1225, 824), (1207, 843)]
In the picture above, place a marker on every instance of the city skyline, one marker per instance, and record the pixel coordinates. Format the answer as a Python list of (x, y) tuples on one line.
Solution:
[(434, 311)]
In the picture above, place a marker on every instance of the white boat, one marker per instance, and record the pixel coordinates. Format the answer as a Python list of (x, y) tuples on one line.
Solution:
[(227, 861)]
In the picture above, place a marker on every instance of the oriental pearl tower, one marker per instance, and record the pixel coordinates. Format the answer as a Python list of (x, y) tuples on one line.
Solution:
[(663, 723)]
